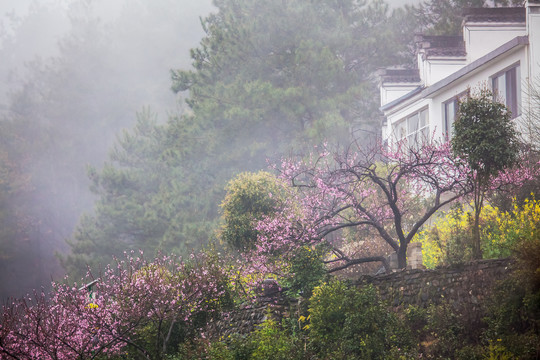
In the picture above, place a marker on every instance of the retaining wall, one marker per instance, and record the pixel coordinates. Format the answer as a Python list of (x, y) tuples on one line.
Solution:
[(464, 287)]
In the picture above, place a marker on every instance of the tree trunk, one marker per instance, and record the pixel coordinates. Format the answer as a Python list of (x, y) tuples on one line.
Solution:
[(478, 204), (476, 248), (402, 257)]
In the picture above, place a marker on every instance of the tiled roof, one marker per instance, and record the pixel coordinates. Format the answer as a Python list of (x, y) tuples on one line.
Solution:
[(441, 45), (515, 43), (400, 76), (501, 14)]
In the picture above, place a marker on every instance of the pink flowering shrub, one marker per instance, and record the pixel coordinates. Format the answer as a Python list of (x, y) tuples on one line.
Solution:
[(137, 306)]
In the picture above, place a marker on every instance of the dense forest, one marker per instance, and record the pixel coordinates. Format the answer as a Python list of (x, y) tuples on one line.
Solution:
[(116, 139), (72, 79), (176, 189)]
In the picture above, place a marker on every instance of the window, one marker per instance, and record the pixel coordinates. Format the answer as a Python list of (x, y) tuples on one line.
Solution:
[(450, 111), (414, 128), (506, 87)]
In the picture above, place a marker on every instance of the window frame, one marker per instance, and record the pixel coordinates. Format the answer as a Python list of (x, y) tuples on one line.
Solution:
[(413, 136), (448, 125), (512, 88)]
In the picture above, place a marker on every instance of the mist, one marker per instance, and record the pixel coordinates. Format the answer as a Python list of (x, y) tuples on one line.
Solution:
[(73, 76)]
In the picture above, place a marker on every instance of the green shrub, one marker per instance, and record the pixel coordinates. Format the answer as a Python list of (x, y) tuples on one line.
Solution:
[(220, 351), (235, 347), (497, 351), (250, 197), (447, 241), (348, 323), (305, 271), (271, 342), (513, 311), (445, 332)]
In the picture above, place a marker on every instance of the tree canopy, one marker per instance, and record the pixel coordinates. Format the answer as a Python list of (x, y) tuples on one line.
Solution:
[(250, 197), (445, 17), (263, 73), (486, 139), (263, 83), (61, 109)]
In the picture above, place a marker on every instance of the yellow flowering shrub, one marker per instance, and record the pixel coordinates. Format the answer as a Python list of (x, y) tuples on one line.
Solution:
[(447, 239), (512, 227)]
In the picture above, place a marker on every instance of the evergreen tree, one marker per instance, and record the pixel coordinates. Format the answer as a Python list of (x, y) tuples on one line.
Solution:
[(485, 137), (269, 77), (63, 112), (445, 17)]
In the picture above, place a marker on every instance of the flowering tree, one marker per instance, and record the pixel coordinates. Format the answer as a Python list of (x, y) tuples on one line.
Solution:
[(136, 307), (60, 327), (376, 188), (390, 191)]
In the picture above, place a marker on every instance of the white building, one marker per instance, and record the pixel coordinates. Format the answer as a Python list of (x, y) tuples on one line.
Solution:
[(500, 49)]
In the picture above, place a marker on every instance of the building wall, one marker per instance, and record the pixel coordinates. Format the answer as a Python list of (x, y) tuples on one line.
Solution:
[(405, 111), (393, 91), (433, 70), (477, 79), (533, 27), (482, 39)]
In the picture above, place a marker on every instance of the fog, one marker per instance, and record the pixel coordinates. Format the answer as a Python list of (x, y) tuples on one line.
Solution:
[(73, 74)]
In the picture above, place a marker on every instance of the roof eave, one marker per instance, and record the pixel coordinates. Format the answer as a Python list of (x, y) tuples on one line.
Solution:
[(422, 92)]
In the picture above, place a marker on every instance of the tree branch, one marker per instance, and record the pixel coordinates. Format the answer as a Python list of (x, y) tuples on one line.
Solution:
[(349, 263)]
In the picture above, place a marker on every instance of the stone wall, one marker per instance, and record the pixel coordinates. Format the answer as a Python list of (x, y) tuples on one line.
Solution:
[(245, 320), (464, 287)]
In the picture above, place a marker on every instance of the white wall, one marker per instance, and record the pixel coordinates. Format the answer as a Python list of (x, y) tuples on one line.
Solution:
[(481, 78), (391, 92), (474, 80), (437, 69), (482, 39), (533, 23)]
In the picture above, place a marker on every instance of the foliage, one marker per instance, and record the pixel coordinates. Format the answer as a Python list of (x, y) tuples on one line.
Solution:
[(445, 17), (306, 270), (236, 348), (346, 322), (250, 197), (513, 229), (485, 137), (136, 307), (62, 108), (349, 190), (140, 197), (445, 241), (514, 309), (498, 351), (446, 331), (262, 83), (297, 81), (510, 326), (270, 342)]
